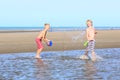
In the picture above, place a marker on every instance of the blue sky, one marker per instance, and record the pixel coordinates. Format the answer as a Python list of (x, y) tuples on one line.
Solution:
[(59, 12)]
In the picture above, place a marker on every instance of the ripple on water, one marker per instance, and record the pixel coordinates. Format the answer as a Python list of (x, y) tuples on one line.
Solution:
[(61, 65)]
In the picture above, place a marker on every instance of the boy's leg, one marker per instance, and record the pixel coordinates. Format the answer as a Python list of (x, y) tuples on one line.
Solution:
[(38, 53), (40, 47), (85, 55), (87, 49), (93, 56), (86, 52), (92, 50)]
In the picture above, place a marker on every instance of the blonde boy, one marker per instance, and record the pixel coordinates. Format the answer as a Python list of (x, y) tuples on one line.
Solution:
[(40, 37), (90, 34)]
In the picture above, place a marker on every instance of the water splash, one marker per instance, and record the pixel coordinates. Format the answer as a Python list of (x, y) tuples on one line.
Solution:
[(98, 58), (79, 36), (89, 57)]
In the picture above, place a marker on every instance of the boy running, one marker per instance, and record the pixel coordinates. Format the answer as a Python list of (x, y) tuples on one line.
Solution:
[(91, 39)]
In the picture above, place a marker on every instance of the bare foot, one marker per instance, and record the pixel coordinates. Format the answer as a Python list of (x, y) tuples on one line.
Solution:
[(84, 57), (93, 59)]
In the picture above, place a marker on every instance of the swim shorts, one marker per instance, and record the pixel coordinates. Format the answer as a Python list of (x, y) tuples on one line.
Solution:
[(39, 43), (91, 45)]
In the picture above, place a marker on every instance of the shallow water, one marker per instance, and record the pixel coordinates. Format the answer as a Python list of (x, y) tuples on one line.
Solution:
[(64, 65)]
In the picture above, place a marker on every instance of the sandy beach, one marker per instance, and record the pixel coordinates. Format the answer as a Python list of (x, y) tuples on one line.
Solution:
[(22, 41)]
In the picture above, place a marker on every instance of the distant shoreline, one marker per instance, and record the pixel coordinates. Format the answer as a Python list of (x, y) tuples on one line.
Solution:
[(52, 29), (17, 31), (22, 31)]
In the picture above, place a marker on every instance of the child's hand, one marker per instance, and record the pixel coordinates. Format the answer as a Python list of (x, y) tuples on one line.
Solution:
[(47, 42), (95, 32)]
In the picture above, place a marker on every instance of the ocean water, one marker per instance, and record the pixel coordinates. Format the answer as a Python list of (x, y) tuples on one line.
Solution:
[(54, 28), (60, 65)]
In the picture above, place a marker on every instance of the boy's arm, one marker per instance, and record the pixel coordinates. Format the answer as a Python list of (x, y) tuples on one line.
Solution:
[(44, 37), (95, 31)]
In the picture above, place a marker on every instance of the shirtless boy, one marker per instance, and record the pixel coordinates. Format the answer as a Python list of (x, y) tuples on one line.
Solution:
[(41, 37), (91, 39)]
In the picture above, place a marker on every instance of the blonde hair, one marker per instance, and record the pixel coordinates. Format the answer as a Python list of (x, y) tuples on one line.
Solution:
[(46, 24), (89, 21)]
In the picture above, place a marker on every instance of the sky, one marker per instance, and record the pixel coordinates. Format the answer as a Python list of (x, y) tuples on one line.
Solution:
[(23, 13)]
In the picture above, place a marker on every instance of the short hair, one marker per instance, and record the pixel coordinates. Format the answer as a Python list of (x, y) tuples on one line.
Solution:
[(46, 24), (89, 21)]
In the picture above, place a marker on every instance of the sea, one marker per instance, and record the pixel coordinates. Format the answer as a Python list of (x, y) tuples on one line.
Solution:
[(60, 65), (54, 29)]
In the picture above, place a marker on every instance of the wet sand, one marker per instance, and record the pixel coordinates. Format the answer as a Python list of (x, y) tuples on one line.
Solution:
[(13, 42), (60, 65)]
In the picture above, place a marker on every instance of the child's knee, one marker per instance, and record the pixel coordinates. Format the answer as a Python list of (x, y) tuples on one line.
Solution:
[(42, 48)]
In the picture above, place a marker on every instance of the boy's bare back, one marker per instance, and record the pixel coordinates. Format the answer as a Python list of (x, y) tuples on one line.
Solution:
[(41, 35)]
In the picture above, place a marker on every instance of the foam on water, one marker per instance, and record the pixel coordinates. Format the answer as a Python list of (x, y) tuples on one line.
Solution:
[(89, 57), (98, 58)]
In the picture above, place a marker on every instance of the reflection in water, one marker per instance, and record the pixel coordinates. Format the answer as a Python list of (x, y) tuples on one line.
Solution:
[(39, 62), (90, 70), (60, 66), (40, 70)]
